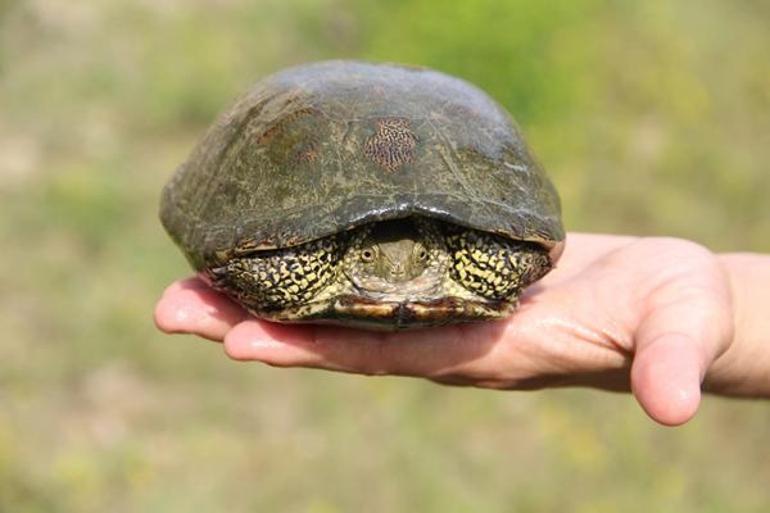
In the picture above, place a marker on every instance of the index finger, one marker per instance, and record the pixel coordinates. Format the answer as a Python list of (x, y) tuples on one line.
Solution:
[(190, 306)]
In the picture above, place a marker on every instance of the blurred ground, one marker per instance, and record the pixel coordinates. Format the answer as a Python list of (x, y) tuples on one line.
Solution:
[(652, 118)]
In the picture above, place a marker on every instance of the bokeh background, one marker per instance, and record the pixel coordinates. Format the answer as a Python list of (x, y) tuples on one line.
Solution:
[(652, 117)]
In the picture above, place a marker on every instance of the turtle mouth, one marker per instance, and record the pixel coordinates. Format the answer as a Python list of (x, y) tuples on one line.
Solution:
[(400, 315), (365, 312)]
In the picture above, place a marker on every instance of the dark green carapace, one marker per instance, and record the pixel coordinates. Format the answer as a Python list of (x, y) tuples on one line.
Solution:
[(370, 195)]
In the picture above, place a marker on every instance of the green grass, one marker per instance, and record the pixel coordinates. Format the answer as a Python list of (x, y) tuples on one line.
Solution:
[(652, 118)]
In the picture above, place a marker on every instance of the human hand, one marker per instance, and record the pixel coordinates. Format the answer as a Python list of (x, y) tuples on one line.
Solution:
[(649, 315)]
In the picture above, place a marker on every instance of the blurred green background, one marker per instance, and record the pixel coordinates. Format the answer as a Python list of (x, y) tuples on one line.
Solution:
[(652, 118)]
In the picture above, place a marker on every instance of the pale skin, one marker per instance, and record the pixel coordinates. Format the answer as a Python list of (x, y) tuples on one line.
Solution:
[(663, 318)]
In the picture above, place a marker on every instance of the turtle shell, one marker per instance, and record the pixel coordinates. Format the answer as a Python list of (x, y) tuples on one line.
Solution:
[(321, 148)]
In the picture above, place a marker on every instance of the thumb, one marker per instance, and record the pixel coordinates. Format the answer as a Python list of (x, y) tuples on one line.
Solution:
[(675, 344)]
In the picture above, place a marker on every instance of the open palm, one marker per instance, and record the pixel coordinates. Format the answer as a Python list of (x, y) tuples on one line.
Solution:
[(619, 313)]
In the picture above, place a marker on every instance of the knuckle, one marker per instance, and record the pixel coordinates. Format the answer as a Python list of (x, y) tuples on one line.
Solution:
[(678, 248)]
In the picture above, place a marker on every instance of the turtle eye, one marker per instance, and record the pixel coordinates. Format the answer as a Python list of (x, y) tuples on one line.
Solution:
[(367, 255), (422, 254)]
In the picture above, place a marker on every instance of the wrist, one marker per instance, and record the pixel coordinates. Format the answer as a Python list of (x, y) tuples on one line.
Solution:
[(744, 368)]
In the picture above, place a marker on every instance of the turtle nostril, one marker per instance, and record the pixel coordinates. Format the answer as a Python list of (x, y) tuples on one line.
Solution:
[(398, 273)]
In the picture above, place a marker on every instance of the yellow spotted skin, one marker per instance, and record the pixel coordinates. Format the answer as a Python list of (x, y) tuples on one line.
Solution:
[(492, 266), (273, 280), (393, 274)]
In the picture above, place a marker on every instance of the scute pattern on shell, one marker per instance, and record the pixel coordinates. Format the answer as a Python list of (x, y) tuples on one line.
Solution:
[(318, 149), (392, 145)]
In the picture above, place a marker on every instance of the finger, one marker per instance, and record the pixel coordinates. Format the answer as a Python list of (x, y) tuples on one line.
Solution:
[(676, 345), (666, 379), (190, 306), (426, 353)]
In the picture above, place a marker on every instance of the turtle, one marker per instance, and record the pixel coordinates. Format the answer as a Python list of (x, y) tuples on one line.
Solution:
[(372, 195)]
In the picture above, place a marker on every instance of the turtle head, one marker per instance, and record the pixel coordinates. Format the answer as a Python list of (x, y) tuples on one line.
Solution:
[(392, 252)]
